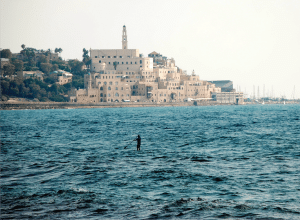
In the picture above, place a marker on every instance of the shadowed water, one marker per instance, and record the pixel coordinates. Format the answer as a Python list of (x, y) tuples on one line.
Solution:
[(214, 162)]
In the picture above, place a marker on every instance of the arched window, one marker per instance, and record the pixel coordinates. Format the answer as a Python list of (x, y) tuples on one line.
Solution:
[(101, 88), (109, 88), (117, 94), (110, 83), (108, 95), (101, 94), (105, 83)]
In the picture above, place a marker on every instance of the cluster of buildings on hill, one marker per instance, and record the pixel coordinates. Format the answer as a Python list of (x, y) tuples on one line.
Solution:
[(125, 75), (60, 76)]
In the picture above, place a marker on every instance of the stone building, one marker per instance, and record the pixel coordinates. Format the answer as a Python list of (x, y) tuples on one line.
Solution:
[(125, 75), (31, 74), (228, 97)]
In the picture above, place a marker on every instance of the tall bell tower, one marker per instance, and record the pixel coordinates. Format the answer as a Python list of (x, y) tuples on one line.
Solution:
[(124, 38)]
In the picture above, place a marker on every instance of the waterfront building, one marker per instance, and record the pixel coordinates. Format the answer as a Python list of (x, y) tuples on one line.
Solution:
[(228, 97), (126, 75)]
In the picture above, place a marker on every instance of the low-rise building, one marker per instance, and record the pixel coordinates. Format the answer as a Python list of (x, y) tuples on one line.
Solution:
[(31, 74), (64, 77), (228, 97)]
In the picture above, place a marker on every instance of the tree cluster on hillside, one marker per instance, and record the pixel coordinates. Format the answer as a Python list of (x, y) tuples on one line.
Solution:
[(34, 89), (31, 59)]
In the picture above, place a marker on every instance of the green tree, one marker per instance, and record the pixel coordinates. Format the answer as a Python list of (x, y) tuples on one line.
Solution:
[(76, 67), (43, 59), (18, 64), (58, 50), (45, 67), (54, 67), (5, 85), (23, 46), (6, 53), (8, 69), (23, 90), (86, 59)]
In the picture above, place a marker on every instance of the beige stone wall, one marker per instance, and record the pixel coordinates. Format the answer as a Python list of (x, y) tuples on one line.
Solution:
[(87, 96), (64, 79)]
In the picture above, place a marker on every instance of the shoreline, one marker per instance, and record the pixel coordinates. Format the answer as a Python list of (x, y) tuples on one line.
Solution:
[(17, 105)]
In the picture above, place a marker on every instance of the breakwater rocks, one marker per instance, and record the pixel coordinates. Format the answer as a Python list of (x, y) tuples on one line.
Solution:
[(67, 105)]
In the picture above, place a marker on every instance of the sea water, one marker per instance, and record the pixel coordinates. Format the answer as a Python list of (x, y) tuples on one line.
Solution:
[(205, 162)]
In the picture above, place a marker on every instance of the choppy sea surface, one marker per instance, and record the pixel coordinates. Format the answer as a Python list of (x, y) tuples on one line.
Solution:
[(206, 162)]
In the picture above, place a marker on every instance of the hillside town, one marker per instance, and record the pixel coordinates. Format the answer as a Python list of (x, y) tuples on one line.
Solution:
[(126, 75), (106, 76)]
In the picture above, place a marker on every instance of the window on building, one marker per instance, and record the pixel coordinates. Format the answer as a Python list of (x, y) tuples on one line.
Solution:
[(95, 56), (122, 62), (108, 62), (108, 94), (121, 88), (101, 94), (126, 62), (130, 62), (116, 83), (141, 61), (115, 56), (116, 88), (103, 56), (110, 83), (134, 62), (109, 88), (108, 56), (99, 61), (121, 57), (117, 94), (105, 83)]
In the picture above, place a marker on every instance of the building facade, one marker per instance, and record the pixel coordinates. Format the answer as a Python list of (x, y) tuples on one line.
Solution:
[(228, 97), (125, 75)]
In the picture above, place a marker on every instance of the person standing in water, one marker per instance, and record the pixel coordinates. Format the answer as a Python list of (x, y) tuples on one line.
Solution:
[(138, 142)]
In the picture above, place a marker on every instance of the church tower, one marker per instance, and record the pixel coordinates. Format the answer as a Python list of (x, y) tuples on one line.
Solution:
[(124, 38)]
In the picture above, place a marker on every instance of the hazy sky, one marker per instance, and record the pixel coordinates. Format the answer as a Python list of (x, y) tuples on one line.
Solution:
[(252, 43)]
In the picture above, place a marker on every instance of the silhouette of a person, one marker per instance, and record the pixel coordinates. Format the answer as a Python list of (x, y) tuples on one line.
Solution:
[(138, 142)]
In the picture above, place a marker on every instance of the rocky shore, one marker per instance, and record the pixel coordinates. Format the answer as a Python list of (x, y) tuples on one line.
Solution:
[(67, 105), (18, 105)]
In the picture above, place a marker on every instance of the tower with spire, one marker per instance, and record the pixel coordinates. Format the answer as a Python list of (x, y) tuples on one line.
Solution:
[(124, 38)]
